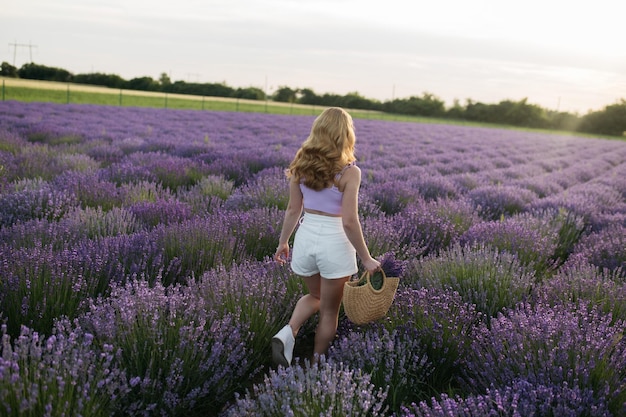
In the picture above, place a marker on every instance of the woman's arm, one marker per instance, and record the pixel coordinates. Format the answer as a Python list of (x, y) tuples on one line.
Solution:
[(351, 182), (292, 215)]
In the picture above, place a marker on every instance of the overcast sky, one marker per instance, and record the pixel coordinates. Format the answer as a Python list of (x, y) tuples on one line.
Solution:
[(567, 55)]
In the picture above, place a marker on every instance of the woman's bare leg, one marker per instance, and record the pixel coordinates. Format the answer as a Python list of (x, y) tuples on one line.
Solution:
[(331, 293), (307, 305)]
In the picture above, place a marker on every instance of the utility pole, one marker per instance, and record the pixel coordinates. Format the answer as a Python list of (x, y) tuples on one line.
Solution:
[(15, 45)]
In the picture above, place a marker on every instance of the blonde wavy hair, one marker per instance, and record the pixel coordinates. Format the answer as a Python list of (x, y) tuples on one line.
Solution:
[(327, 150)]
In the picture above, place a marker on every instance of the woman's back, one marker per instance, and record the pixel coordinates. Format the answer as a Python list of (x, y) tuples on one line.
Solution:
[(327, 200)]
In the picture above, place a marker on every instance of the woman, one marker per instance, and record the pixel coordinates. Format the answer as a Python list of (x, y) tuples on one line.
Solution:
[(324, 181)]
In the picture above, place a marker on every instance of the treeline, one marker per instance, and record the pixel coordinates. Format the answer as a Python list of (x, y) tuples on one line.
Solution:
[(609, 121)]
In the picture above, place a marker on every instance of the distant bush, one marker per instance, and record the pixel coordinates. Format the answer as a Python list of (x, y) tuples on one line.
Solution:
[(609, 121), (34, 71), (8, 70), (98, 78)]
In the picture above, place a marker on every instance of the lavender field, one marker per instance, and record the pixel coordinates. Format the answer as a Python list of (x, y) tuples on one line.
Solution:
[(136, 274)]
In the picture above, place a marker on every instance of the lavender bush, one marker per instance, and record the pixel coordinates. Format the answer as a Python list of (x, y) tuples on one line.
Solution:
[(76, 226), (197, 245), (435, 223), (595, 203), (383, 236), (167, 170), (36, 233), (390, 197), (240, 165), (64, 373), (94, 223), (444, 325), (176, 354), (103, 151), (144, 191), (606, 249), (570, 227), (34, 199), (38, 286), (119, 258), (518, 400), (260, 294), (495, 201), (532, 239), (207, 195), (255, 230), (322, 389), (549, 346), (91, 189), (10, 144), (268, 188), (396, 361), (38, 162), (129, 172), (582, 283), (152, 214), (41, 284), (484, 276)]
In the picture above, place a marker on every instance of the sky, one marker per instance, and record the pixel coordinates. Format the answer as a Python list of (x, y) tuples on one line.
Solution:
[(565, 55)]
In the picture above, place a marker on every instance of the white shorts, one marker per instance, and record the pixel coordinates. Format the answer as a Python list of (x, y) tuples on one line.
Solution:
[(321, 246)]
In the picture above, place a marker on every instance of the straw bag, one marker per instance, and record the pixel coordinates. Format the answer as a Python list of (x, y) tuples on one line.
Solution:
[(363, 303)]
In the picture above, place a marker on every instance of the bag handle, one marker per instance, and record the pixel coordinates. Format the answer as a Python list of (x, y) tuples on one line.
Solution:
[(368, 280)]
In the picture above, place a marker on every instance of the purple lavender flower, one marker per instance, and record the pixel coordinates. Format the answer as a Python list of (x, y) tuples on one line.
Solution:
[(64, 371), (135, 192), (496, 201), (586, 284), (383, 236), (519, 399), (34, 199), (95, 223), (594, 202), (484, 276), (268, 188), (606, 249), (261, 294), (324, 389), (396, 361), (91, 189), (207, 195), (443, 324), (42, 283), (177, 354), (533, 239), (434, 225), (552, 345), (391, 197), (152, 214), (391, 266)]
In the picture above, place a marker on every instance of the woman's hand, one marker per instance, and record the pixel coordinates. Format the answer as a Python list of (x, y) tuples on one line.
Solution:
[(372, 265), (282, 253)]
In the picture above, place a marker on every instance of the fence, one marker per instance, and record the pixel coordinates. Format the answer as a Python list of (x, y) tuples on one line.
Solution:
[(70, 93)]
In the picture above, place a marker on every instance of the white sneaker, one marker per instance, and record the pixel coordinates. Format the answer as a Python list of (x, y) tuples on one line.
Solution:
[(282, 346)]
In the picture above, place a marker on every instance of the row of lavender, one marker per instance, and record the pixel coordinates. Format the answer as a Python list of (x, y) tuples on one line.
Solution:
[(135, 277)]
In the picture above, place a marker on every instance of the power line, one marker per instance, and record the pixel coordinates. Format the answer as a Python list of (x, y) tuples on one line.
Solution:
[(15, 45)]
